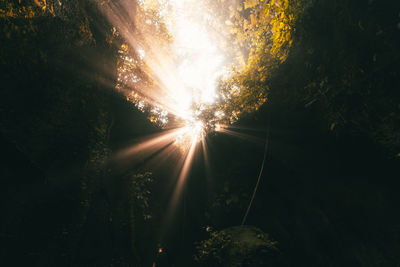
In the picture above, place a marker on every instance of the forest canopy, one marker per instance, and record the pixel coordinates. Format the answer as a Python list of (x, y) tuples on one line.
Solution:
[(261, 33), (243, 48), (151, 56)]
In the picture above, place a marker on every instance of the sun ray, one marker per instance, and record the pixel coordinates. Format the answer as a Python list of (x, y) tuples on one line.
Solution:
[(169, 73), (245, 136), (182, 69), (179, 187), (205, 156), (149, 145)]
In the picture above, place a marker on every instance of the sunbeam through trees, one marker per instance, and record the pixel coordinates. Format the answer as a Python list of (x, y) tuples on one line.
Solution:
[(199, 133)]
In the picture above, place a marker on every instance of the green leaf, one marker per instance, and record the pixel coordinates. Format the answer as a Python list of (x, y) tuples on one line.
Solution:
[(250, 3)]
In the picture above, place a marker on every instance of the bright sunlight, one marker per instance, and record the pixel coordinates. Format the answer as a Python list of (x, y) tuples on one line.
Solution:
[(176, 76)]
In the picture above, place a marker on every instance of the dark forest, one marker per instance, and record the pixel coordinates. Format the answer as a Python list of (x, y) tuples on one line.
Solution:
[(200, 133)]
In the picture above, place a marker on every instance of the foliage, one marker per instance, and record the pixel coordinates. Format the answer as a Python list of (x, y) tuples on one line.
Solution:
[(237, 246), (262, 35), (140, 190), (343, 67), (263, 30), (266, 27), (22, 9), (340, 65), (213, 249), (140, 62), (56, 105)]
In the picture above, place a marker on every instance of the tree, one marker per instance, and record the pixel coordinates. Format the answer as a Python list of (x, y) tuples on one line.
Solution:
[(263, 30)]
